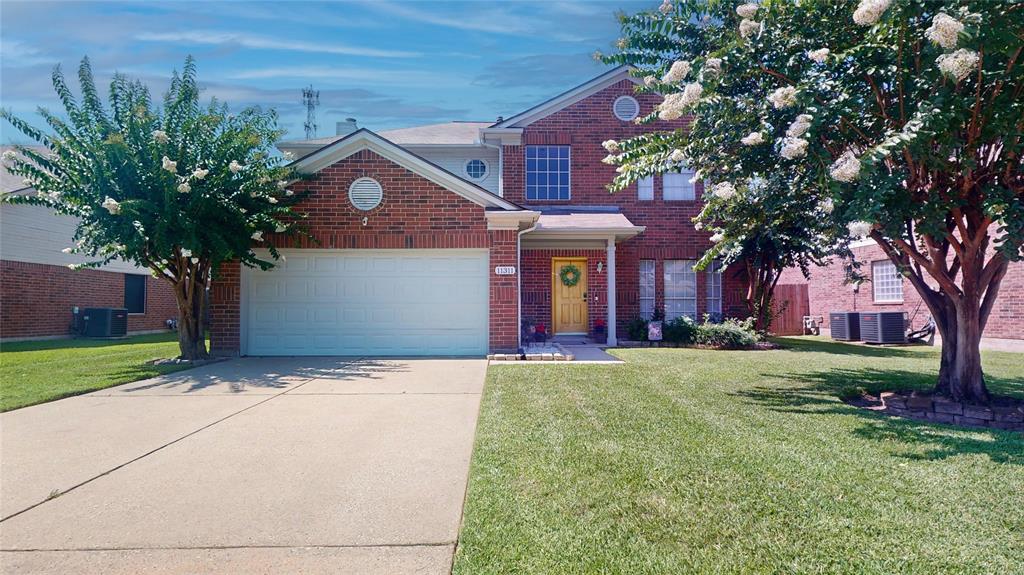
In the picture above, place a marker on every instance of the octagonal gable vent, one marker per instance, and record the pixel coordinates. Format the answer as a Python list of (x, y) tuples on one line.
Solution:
[(626, 108), (365, 194)]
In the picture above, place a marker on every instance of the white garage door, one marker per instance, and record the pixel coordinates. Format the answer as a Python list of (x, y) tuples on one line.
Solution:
[(362, 302)]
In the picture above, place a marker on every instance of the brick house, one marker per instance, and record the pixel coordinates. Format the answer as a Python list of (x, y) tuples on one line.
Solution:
[(440, 239), (884, 289), (38, 291)]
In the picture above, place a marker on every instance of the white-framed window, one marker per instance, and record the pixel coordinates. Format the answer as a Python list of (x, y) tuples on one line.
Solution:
[(476, 169), (547, 172), (680, 289), (886, 281), (626, 108), (647, 289), (714, 287), (676, 186), (645, 188)]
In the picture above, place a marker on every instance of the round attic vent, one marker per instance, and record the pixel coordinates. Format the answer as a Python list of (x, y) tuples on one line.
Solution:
[(365, 194), (626, 108)]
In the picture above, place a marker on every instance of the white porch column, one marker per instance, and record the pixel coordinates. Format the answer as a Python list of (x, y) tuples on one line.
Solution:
[(611, 292)]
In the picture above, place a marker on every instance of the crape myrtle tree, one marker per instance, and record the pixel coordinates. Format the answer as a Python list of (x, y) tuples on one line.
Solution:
[(913, 113), (765, 209), (179, 189)]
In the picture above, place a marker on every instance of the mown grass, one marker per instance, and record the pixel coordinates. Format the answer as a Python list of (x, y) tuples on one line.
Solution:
[(34, 372), (696, 461)]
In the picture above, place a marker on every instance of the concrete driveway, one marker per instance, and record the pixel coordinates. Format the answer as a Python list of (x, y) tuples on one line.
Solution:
[(255, 465)]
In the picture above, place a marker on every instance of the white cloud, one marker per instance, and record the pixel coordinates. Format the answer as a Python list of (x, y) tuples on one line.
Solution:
[(373, 76), (216, 37), (19, 54)]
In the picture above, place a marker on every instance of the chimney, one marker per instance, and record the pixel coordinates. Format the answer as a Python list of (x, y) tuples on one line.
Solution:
[(345, 128)]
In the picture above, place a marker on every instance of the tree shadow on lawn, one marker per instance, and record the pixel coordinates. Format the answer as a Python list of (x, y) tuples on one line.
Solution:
[(822, 393)]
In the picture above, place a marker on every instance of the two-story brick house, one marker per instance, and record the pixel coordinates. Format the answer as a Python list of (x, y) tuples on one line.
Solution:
[(440, 239)]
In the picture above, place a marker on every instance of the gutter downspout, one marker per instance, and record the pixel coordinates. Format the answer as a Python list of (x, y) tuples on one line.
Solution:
[(519, 282)]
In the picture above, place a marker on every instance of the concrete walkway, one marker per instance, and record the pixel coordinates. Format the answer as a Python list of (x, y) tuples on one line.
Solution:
[(256, 465)]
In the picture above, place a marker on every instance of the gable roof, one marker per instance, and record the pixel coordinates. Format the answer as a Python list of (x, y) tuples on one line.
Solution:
[(364, 139), (453, 133), (568, 98), (9, 182)]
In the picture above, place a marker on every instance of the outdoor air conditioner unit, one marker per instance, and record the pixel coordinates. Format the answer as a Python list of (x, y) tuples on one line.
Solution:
[(883, 326), (102, 322), (845, 325)]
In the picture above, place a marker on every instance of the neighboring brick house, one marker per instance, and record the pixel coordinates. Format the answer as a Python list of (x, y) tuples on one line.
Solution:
[(440, 239), (884, 289), (38, 291)]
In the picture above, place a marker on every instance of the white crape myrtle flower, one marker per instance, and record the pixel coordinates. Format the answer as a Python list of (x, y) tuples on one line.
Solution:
[(747, 10), (9, 155), (793, 148), (677, 155), (160, 137), (620, 169), (859, 229), (959, 64), (280, 228), (783, 97), (111, 205), (717, 237), (282, 184), (713, 67), (698, 226), (186, 253), (289, 193), (753, 139), (724, 190), (199, 173), (869, 11), (67, 250), (235, 167), (610, 159), (666, 7), (799, 126), (611, 145), (818, 55), (272, 200), (678, 71), (944, 31), (169, 165), (258, 236), (749, 27), (184, 188), (194, 260), (827, 206), (846, 168), (650, 81), (289, 156)]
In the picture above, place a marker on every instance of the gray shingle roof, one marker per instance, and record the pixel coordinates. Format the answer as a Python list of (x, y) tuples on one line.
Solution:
[(12, 182), (446, 133)]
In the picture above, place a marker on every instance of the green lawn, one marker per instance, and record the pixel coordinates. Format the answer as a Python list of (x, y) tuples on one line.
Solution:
[(696, 461), (33, 372)]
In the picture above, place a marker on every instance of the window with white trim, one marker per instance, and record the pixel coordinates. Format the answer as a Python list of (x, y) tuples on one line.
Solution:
[(645, 188), (714, 287), (476, 169), (647, 289), (886, 281), (676, 186), (680, 289), (547, 172)]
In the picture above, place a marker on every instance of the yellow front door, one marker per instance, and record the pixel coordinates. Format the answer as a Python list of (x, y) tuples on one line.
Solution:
[(568, 303)]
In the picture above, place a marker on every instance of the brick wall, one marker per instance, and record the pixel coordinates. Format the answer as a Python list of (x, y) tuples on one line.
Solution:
[(670, 234), (36, 299), (415, 213), (828, 292)]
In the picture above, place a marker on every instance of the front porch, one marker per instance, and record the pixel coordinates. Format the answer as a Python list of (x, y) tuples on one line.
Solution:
[(567, 271)]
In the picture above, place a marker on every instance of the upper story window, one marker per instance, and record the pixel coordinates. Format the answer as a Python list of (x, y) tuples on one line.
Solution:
[(886, 282), (677, 186), (645, 188), (476, 169), (547, 172), (626, 108)]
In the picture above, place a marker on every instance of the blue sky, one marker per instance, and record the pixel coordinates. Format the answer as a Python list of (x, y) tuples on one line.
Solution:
[(387, 63)]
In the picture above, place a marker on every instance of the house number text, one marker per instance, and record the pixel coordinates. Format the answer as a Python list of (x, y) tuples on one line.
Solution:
[(505, 270)]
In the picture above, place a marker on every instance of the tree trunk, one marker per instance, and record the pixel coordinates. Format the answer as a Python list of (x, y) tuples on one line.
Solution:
[(945, 324), (966, 380), (191, 327), (760, 293)]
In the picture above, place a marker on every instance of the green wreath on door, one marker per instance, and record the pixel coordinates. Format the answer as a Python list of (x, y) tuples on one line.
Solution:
[(570, 275)]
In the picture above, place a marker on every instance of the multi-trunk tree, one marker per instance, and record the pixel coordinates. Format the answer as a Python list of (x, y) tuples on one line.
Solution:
[(178, 189), (903, 117)]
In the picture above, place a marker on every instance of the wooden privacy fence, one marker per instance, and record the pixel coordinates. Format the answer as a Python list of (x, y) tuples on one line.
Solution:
[(791, 305)]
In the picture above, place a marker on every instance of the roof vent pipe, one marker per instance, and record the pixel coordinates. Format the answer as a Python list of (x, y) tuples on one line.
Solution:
[(345, 128)]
